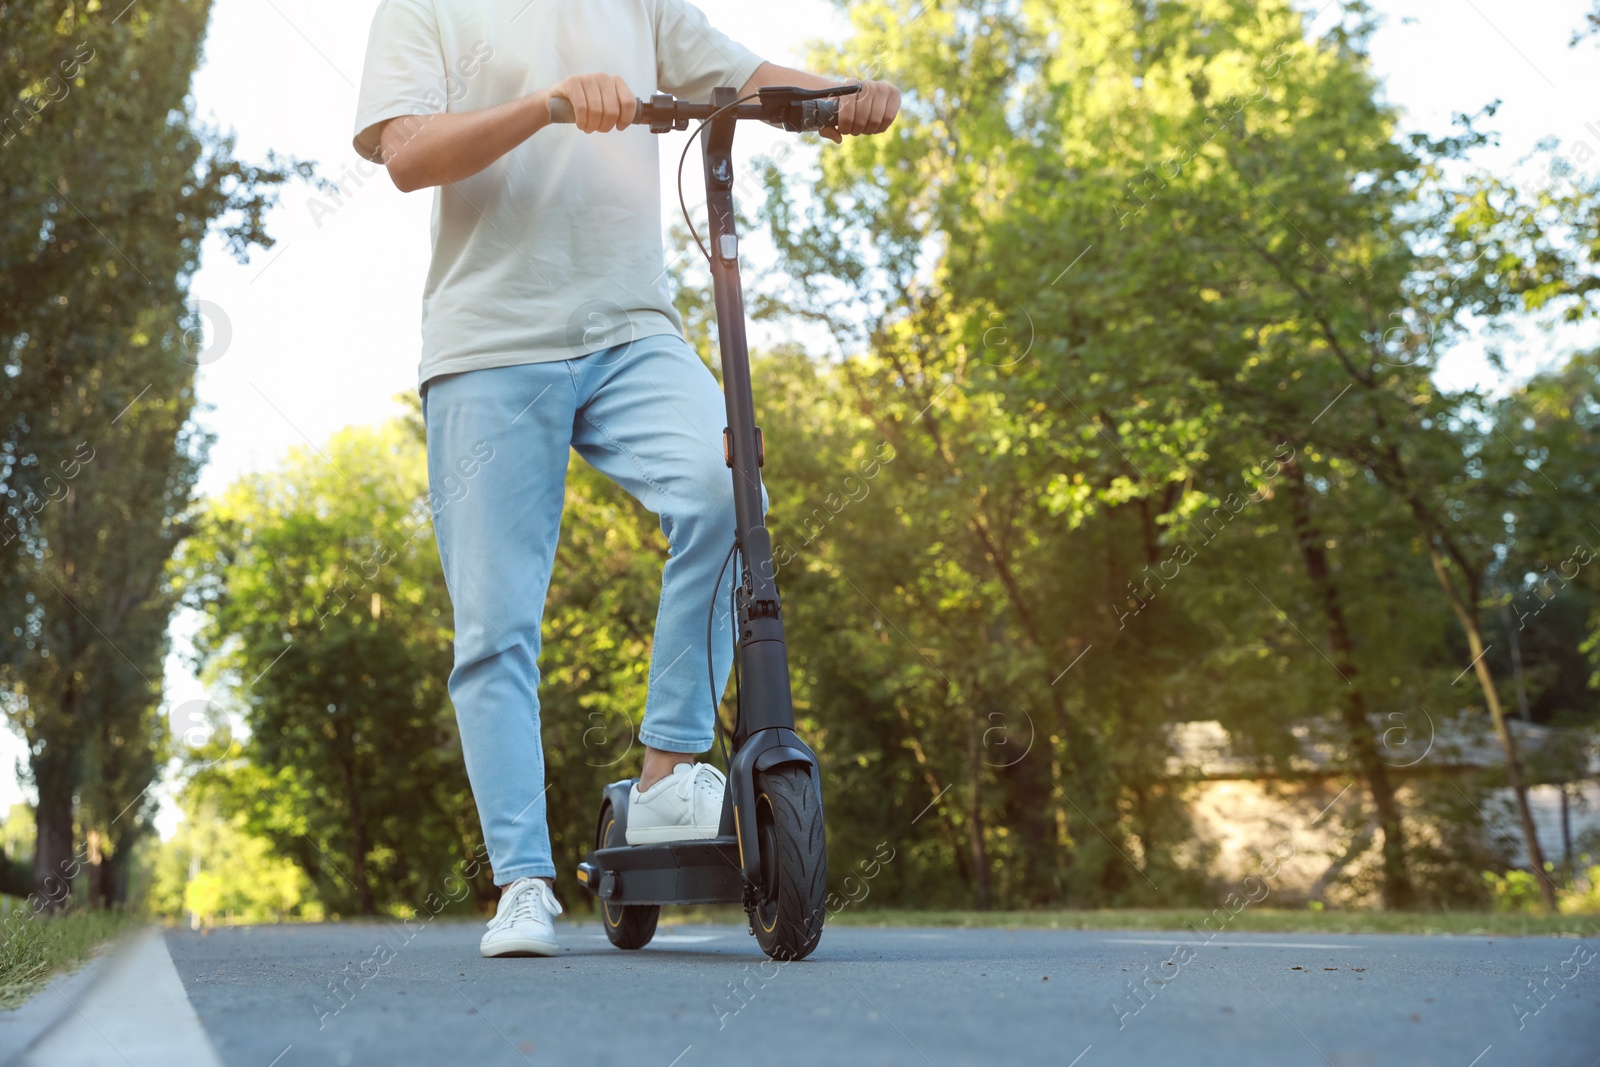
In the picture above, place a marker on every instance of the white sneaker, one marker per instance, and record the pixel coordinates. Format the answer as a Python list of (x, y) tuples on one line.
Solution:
[(523, 921), (686, 805)]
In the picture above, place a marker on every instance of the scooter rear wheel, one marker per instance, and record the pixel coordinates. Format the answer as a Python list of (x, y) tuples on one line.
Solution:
[(791, 901), (628, 926)]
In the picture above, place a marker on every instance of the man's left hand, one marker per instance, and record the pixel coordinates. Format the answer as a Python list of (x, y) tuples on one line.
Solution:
[(872, 110)]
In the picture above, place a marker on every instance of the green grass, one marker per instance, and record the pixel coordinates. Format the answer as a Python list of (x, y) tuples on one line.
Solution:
[(33, 948), (1250, 920)]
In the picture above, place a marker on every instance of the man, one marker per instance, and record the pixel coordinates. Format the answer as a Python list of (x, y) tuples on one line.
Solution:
[(548, 326)]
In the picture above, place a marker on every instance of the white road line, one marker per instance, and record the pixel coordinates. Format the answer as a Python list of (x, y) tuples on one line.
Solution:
[(137, 1013), (1184, 939)]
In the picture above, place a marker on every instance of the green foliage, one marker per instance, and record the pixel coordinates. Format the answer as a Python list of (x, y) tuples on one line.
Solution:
[(1583, 898), (214, 872), (1134, 421), (111, 187), (1148, 300), (328, 626), (16, 838), (1513, 891)]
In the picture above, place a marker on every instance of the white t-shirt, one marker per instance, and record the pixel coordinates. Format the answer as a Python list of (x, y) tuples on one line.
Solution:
[(555, 250)]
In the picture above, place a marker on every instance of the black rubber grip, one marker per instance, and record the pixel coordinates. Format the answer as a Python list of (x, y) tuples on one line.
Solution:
[(561, 109), (819, 114)]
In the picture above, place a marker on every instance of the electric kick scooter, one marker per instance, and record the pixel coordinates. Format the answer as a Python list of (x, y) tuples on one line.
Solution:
[(769, 852)]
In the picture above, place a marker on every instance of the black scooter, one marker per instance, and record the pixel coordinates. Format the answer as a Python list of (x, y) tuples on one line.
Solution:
[(769, 853)]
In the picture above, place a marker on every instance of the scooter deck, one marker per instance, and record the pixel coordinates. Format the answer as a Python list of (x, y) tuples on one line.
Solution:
[(679, 872)]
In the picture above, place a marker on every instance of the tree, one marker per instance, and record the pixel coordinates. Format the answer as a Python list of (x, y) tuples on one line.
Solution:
[(213, 870), (1209, 230), (1546, 434), (328, 621), (111, 188), (328, 629)]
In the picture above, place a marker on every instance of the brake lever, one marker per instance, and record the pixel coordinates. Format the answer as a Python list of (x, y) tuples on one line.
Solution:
[(790, 94), (779, 103)]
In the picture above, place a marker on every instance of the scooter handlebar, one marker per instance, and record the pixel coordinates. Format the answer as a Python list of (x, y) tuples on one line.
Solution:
[(662, 115), (561, 110), (817, 114)]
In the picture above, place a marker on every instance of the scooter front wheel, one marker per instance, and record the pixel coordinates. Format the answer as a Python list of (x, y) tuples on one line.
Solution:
[(791, 900), (627, 926)]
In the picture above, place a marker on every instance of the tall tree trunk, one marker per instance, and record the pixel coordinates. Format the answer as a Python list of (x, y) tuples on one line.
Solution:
[(980, 858), (1398, 891), (54, 865), (1388, 465), (1468, 617), (1566, 834), (101, 881), (358, 834), (57, 766), (121, 872)]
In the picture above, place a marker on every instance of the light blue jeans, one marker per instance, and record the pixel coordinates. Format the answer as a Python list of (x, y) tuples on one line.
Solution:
[(649, 415)]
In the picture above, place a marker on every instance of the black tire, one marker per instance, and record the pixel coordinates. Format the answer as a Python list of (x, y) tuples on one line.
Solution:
[(628, 926), (791, 901)]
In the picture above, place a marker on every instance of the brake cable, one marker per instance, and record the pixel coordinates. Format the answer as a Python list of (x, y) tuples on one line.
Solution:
[(684, 204)]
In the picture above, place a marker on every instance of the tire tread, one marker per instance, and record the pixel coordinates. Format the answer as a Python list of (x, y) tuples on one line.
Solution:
[(638, 921), (802, 863)]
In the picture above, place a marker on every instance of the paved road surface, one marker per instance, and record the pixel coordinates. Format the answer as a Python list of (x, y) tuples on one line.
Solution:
[(907, 997)]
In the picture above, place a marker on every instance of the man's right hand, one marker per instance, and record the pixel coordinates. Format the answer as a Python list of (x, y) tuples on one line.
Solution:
[(600, 102)]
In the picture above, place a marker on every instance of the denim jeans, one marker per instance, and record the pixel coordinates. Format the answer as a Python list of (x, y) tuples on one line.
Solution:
[(649, 415)]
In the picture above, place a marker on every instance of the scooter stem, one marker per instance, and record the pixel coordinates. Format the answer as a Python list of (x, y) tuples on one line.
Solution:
[(765, 697)]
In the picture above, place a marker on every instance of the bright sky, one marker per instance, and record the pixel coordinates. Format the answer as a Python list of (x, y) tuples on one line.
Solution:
[(322, 331)]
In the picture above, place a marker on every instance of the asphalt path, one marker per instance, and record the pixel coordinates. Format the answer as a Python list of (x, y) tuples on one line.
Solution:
[(386, 993)]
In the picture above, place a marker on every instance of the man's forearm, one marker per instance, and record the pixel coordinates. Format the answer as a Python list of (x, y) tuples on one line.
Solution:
[(426, 150), (773, 74)]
